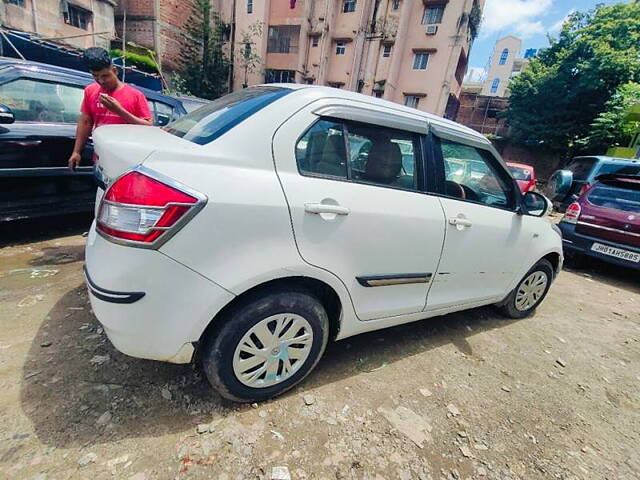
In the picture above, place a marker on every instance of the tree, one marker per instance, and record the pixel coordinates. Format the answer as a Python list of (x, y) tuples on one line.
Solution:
[(248, 60), (556, 99), (204, 68), (611, 128)]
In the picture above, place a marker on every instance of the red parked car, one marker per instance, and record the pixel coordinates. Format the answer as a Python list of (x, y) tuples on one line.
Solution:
[(605, 221), (524, 175)]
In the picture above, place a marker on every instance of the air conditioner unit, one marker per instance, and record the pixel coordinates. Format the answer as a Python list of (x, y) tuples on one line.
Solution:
[(431, 29)]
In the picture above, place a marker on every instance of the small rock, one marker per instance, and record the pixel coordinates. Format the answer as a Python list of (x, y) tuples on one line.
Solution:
[(280, 473), (99, 359), (453, 410), (309, 399), (104, 418), (425, 392), (277, 435), (45, 344), (166, 394), (463, 434), (505, 388), (561, 362), (87, 459), (480, 446), (32, 374), (254, 405), (482, 472), (262, 414), (466, 451), (202, 428)]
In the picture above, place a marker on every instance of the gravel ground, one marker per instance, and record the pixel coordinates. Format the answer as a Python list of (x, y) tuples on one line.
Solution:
[(468, 395)]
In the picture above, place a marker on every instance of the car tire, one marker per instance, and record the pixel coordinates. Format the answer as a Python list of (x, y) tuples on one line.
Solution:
[(530, 291), (229, 346)]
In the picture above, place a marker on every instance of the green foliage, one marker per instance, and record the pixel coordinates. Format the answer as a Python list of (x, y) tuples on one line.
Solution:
[(204, 67), (143, 62), (556, 99), (475, 18), (610, 129), (248, 60)]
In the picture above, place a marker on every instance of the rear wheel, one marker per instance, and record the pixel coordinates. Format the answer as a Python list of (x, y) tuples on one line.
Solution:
[(532, 289), (266, 345)]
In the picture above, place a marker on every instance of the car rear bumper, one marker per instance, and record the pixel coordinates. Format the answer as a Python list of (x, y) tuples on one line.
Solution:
[(578, 243), (149, 305)]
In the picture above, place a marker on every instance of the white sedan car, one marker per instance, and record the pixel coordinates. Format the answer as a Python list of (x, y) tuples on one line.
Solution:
[(252, 231)]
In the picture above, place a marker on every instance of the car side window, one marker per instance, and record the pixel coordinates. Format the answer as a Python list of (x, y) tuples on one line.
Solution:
[(38, 101), (470, 175), (382, 156), (322, 150), (371, 154)]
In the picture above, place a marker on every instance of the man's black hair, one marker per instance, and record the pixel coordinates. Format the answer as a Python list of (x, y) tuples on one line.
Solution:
[(97, 58)]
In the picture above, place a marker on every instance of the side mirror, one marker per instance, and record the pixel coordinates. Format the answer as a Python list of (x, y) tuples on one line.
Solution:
[(537, 205), (162, 120), (6, 115), (559, 185)]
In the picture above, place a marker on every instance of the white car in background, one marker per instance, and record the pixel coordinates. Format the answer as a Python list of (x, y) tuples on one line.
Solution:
[(248, 233)]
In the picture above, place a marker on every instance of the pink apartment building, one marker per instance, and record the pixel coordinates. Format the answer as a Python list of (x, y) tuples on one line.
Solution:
[(413, 52)]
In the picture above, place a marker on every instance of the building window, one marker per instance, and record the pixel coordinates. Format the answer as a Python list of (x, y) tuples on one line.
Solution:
[(420, 61), (411, 101), (395, 5), (279, 76), (387, 51), (283, 39), (76, 16), (349, 6), (249, 6), (19, 3), (432, 15), (504, 56), (315, 41), (378, 93), (341, 48), (335, 84), (495, 85)]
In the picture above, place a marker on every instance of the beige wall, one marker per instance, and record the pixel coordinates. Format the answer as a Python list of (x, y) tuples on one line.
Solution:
[(363, 63), (48, 21), (503, 72)]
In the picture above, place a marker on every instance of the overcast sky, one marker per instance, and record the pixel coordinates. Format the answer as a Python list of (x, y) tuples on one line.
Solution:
[(529, 20)]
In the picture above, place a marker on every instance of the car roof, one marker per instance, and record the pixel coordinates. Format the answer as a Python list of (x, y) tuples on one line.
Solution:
[(604, 158), (520, 165), (319, 91)]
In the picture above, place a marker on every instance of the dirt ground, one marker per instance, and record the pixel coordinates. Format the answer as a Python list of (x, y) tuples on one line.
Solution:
[(468, 395)]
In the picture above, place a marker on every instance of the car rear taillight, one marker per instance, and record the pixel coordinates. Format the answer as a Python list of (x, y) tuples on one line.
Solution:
[(584, 189), (140, 209), (573, 213)]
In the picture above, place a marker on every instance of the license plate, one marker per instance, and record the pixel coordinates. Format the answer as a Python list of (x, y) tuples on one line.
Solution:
[(616, 252)]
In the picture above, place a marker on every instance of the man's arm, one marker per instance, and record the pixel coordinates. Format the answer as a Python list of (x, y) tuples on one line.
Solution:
[(114, 106), (83, 131)]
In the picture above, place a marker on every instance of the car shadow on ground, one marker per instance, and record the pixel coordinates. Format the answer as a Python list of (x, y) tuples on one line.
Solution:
[(77, 390), (30, 230), (605, 273)]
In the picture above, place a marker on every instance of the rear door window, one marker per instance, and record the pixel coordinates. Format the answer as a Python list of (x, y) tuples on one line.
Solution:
[(614, 197), (581, 168), (204, 125), (621, 169)]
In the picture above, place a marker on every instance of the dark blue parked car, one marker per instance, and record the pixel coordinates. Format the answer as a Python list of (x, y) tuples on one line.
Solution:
[(565, 186), (39, 107)]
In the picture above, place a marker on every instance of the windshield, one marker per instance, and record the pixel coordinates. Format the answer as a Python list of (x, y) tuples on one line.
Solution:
[(520, 173), (205, 124), (618, 198)]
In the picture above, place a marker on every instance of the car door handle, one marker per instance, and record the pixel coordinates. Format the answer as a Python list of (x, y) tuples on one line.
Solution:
[(461, 222), (319, 208)]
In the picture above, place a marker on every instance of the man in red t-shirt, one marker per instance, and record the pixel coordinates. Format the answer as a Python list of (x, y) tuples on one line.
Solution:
[(108, 101)]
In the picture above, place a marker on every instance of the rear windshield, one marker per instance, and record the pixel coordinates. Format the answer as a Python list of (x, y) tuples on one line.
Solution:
[(218, 117), (581, 168), (616, 197), (620, 169), (520, 173)]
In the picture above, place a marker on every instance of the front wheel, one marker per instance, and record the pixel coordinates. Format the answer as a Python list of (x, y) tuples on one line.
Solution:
[(266, 345), (525, 298)]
